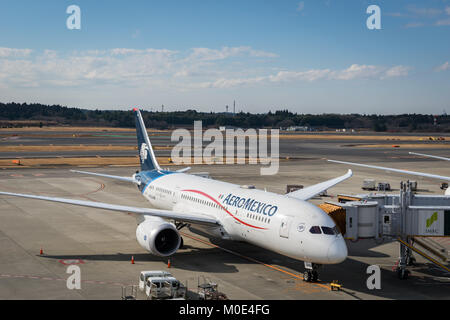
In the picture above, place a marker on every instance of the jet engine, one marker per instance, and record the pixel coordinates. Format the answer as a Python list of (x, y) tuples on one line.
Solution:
[(447, 192), (158, 237)]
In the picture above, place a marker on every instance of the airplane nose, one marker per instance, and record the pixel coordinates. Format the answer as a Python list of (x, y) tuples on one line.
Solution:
[(337, 251)]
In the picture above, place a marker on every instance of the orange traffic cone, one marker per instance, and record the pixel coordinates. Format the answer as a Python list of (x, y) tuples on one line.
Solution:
[(41, 252), (168, 263), (132, 259)]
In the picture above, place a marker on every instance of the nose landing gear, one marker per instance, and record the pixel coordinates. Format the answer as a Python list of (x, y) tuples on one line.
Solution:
[(310, 276), (311, 273)]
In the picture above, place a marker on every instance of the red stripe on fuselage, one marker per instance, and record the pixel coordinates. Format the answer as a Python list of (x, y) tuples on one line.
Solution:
[(212, 199)]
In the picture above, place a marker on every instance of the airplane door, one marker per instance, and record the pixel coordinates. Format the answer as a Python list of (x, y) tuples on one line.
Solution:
[(175, 195), (285, 226)]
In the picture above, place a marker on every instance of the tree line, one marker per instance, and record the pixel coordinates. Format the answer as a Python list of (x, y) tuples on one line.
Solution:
[(10, 112)]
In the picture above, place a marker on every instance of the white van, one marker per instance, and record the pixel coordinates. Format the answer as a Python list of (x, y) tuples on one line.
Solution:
[(146, 274), (161, 287)]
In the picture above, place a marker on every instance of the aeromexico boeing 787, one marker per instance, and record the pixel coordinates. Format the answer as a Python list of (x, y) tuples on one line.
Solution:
[(287, 224)]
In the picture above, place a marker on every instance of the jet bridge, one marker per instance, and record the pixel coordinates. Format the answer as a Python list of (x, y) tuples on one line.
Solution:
[(402, 217)]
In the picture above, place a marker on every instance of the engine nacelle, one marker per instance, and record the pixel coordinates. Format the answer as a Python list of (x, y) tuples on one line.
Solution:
[(158, 237), (447, 192)]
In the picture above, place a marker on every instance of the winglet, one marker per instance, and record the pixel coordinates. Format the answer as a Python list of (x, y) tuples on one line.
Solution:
[(311, 191)]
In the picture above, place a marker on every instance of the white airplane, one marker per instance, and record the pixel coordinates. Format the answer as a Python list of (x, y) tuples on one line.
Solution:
[(414, 173), (286, 224), (429, 156)]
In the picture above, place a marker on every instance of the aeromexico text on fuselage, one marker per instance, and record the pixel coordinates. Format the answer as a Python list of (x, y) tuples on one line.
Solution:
[(250, 205)]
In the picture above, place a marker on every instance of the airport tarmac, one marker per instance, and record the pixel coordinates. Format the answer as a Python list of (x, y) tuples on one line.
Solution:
[(103, 242)]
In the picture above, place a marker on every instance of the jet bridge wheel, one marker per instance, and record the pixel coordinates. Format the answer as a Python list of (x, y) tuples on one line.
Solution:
[(402, 273), (410, 261)]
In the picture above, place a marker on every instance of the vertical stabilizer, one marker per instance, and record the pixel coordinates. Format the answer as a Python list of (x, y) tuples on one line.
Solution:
[(146, 154)]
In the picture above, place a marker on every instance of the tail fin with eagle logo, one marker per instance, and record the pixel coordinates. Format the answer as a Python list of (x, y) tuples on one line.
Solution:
[(146, 154)]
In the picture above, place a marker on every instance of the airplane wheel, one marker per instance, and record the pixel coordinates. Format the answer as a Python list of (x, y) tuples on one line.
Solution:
[(315, 276), (307, 276)]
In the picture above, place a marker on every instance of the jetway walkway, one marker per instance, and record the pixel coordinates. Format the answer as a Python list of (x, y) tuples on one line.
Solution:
[(406, 217)]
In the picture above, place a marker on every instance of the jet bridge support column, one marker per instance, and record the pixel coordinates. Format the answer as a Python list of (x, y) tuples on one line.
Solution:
[(406, 257)]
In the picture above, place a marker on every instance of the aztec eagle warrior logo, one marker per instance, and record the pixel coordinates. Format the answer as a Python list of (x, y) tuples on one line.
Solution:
[(143, 152)]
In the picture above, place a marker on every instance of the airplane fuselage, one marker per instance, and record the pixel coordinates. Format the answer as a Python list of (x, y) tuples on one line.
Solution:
[(269, 220)]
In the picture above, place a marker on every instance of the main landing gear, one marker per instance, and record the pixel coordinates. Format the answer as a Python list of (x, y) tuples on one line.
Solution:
[(311, 273)]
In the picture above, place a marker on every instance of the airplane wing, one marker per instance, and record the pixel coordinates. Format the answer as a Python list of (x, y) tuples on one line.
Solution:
[(430, 156), (311, 191), (128, 179), (195, 218), (414, 173)]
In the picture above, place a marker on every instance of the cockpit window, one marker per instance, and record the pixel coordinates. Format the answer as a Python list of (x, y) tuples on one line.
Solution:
[(315, 229), (327, 230), (336, 230)]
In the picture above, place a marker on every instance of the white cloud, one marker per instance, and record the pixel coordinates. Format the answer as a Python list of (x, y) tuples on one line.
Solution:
[(229, 83), (443, 22), (443, 67), (206, 54), (353, 72), (425, 12), (127, 51), (13, 53), (127, 66), (50, 54), (310, 75), (414, 25), (422, 15), (357, 71), (395, 14), (397, 71), (144, 68)]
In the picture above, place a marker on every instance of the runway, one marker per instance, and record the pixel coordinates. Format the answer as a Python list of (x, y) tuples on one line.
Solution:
[(305, 145)]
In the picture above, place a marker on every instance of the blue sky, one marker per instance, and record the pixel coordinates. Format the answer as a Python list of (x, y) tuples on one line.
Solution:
[(311, 56)]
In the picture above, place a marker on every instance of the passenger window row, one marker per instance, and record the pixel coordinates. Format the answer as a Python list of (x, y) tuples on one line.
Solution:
[(164, 190), (201, 201), (211, 204), (258, 217)]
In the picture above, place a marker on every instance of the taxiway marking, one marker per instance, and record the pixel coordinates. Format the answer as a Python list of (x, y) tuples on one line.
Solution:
[(22, 276)]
